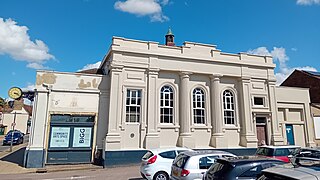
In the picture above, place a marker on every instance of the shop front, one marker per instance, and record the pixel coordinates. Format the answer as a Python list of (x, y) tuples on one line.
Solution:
[(70, 139)]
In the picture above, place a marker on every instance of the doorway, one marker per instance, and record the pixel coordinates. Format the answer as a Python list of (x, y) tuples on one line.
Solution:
[(261, 127), (290, 135)]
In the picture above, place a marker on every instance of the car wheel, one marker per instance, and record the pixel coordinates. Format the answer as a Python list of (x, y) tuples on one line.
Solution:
[(161, 176)]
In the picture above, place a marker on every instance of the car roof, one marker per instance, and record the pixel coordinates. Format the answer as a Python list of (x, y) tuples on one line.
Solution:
[(288, 170), (280, 147), (160, 150), (205, 152), (239, 160)]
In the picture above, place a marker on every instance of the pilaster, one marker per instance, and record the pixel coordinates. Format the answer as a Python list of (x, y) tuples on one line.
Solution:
[(185, 138), (247, 135), (217, 136), (113, 137), (276, 138), (152, 137), (309, 123)]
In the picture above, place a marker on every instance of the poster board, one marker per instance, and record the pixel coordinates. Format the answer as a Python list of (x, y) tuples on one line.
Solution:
[(60, 137)]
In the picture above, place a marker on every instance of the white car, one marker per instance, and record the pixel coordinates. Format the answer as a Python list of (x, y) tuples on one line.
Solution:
[(156, 163), (192, 165)]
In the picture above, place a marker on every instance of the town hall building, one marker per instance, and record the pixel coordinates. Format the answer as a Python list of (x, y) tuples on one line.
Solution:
[(147, 95)]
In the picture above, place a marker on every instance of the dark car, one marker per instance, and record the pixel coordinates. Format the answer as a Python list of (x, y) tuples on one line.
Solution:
[(309, 153), (16, 139), (291, 172), (242, 167)]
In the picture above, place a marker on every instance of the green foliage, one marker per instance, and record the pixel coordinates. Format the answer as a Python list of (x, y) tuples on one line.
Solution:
[(2, 102)]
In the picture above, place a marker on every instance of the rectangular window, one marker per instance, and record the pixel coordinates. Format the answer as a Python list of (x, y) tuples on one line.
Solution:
[(133, 106), (258, 101)]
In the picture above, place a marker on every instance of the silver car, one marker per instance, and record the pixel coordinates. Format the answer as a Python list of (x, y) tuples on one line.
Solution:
[(193, 164)]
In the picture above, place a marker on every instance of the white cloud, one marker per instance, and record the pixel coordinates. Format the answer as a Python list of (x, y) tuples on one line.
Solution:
[(308, 2), (279, 55), (16, 42), (151, 8), (91, 66), (35, 65), (30, 87)]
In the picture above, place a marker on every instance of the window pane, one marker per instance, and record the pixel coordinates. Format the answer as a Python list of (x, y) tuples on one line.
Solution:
[(166, 104), (60, 118), (228, 105), (133, 106)]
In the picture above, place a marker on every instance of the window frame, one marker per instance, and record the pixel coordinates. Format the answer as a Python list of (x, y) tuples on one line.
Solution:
[(137, 105), (163, 106), (232, 108), (201, 108)]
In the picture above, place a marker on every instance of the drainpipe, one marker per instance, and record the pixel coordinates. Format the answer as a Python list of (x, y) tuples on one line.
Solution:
[(49, 89)]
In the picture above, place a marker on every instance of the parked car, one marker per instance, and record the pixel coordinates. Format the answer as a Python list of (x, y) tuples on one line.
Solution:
[(156, 163), (278, 152), (313, 152), (242, 167), (192, 165), (17, 137), (291, 172)]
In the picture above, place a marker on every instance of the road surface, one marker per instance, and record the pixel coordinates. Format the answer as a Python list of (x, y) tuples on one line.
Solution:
[(119, 173)]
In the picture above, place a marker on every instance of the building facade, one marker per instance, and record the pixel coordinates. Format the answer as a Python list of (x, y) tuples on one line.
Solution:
[(150, 95), (310, 80), (19, 116)]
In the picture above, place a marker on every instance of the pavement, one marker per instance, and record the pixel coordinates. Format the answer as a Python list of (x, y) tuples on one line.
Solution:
[(8, 166)]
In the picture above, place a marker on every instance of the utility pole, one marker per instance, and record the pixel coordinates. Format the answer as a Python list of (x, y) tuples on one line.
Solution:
[(12, 133)]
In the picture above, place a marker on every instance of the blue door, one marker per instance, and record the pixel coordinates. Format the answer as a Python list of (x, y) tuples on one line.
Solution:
[(290, 137)]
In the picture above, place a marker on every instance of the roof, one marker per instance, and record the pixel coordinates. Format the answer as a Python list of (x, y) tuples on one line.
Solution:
[(289, 171), (280, 147), (247, 159), (203, 152), (89, 71), (28, 109), (313, 73), (159, 150), (169, 32)]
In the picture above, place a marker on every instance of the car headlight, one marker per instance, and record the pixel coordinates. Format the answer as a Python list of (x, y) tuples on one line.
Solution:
[(16, 139)]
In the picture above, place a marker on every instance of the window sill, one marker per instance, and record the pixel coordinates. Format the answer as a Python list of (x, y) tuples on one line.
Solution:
[(201, 126), (259, 107), (168, 126), (231, 127)]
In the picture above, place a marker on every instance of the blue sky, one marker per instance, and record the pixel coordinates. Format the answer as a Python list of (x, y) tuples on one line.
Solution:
[(71, 35)]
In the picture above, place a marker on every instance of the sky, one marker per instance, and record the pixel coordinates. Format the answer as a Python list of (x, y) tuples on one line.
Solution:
[(68, 36)]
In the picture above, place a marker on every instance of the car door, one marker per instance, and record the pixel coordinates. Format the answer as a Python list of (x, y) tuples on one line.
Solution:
[(166, 160)]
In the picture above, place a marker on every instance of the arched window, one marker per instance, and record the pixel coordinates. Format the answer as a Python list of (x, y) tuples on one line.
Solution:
[(228, 107), (198, 106), (166, 105)]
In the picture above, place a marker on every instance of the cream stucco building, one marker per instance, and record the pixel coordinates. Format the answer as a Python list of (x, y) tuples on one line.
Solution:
[(149, 95)]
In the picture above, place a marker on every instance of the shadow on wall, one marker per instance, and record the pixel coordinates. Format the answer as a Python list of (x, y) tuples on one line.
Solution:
[(15, 157)]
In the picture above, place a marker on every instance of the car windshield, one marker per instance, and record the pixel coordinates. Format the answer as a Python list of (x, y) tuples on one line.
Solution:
[(15, 134), (263, 151)]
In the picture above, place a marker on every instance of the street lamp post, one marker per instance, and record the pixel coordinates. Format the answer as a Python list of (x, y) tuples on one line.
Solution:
[(12, 133)]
